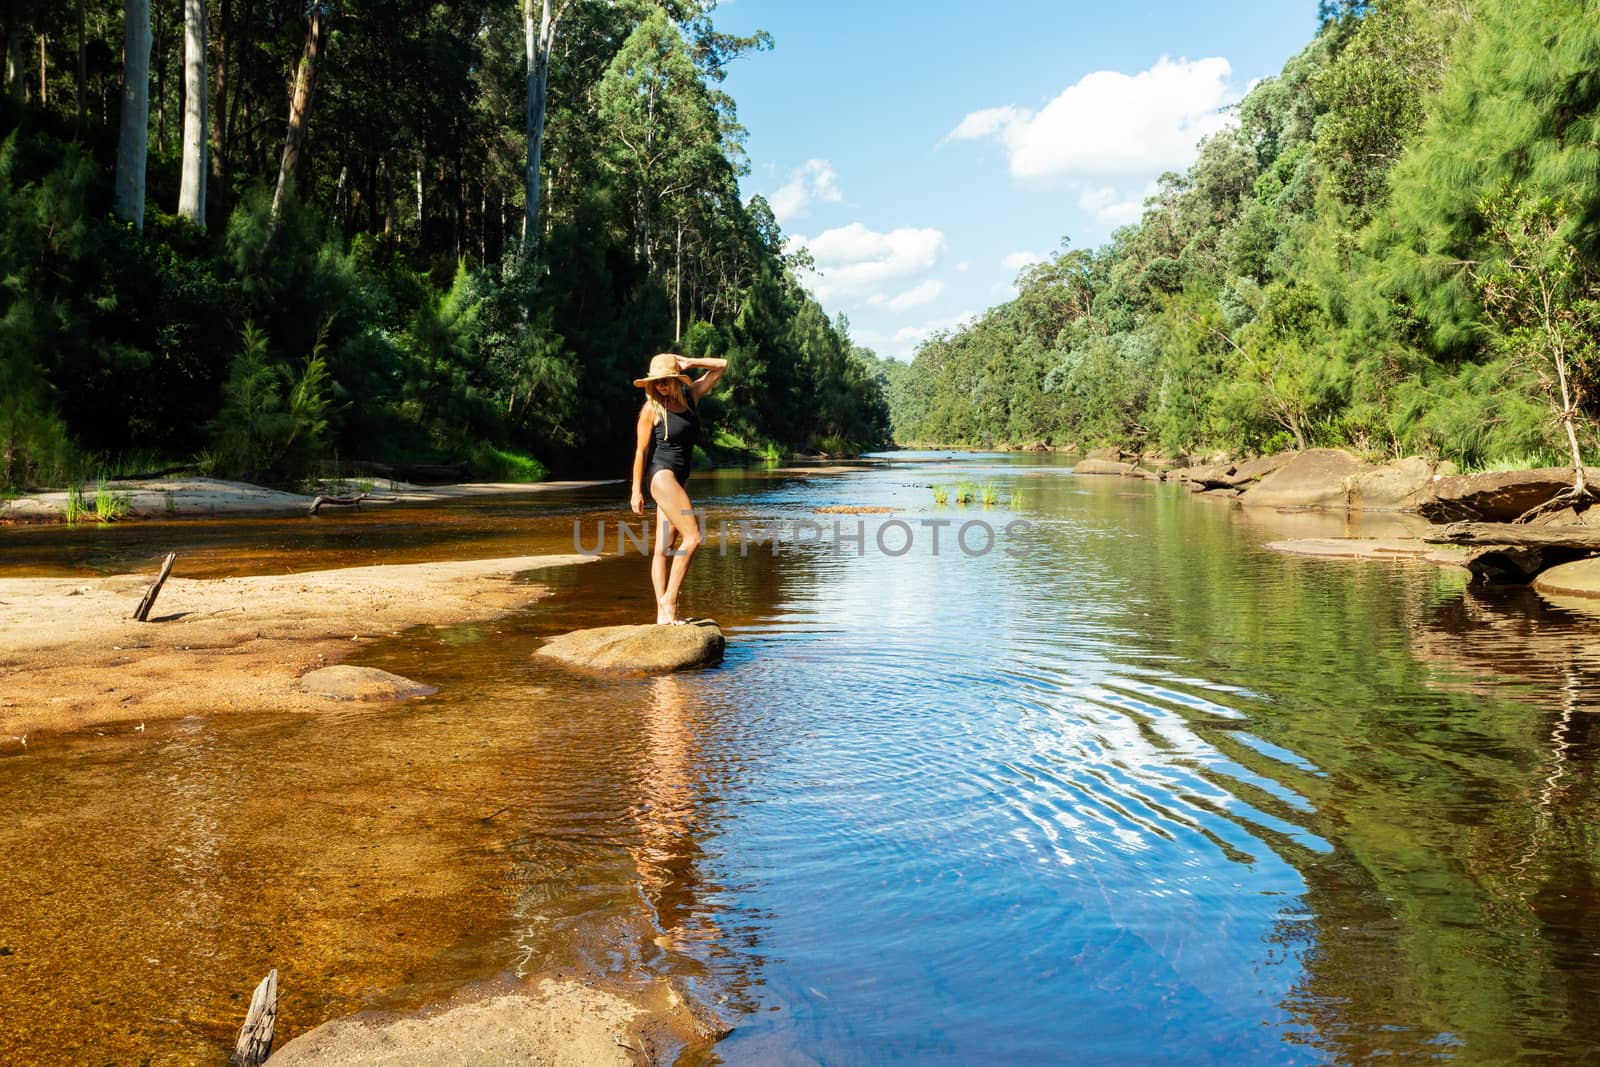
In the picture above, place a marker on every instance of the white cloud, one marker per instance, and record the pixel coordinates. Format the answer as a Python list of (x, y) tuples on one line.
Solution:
[(913, 335), (1110, 207), (814, 180), (1017, 260), (964, 266), (852, 261), (1112, 125), (916, 296)]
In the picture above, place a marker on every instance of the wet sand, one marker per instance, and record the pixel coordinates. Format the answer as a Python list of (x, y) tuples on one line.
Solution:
[(74, 659)]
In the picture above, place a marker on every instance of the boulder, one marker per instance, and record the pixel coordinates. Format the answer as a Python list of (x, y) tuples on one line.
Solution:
[(1578, 579), (648, 649), (1314, 478), (1226, 474), (1103, 466), (1397, 486), (343, 682), (1495, 496)]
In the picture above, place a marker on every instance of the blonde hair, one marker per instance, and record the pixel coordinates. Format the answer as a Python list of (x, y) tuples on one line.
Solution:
[(658, 411)]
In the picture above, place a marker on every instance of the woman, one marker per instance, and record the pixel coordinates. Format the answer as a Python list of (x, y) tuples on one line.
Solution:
[(669, 425)]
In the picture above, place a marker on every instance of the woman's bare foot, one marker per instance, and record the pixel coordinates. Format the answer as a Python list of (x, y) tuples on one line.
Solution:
[(666, 613)]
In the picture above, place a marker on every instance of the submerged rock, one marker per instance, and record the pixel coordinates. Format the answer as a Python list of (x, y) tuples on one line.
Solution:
[(362, 683), (1577, 579), (648, 649), (1096, 465)]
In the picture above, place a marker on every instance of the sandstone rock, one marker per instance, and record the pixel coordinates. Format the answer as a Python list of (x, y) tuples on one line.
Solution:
[(1229, 475), (343, 682), (640, 649), (1103, 466), (1397, 486), (1103, 453), (1496, 496), (1580, 579), (1351, 547), (1314, 478)]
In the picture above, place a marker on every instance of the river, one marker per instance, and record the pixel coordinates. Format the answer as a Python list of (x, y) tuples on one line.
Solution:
[(1121, 787)]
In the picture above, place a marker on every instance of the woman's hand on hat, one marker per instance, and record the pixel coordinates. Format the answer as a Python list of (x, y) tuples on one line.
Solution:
[(683, 363)]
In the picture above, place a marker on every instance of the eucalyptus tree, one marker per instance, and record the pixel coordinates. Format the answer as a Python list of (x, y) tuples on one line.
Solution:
[(668, 141), (305, 84), (196, 135), (133, 138), (539, 37)]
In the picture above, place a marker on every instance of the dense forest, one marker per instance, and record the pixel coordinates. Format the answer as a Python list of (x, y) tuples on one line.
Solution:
[(263, 238), (1395, 248)]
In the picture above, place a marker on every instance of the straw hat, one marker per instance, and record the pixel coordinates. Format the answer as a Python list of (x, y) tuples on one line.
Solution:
[(664, 365)]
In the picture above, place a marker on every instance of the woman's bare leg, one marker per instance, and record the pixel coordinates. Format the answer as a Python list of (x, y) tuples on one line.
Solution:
[(658, 563), (673, 502)]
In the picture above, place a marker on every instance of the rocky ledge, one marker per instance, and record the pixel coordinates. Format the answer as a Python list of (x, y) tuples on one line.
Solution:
[(640, 649)]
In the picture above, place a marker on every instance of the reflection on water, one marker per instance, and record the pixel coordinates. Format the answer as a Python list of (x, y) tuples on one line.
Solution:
[(1149, 794)]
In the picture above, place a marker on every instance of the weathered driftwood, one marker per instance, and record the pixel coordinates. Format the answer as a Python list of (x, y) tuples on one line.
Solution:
[(1508, 533), (332, 501), (142, 612), (255, 1036)]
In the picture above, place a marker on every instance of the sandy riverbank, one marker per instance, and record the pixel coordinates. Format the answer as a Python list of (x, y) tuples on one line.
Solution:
[(72, 658), (181, 498)]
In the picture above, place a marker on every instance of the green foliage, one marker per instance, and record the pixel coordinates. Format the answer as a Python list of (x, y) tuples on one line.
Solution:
[(1333, 271), (76, 507), (272, 421), (506, 465), (109, 505), (396, 259)]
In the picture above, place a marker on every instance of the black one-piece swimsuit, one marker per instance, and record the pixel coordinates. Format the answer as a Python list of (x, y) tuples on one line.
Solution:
[(672, 445)]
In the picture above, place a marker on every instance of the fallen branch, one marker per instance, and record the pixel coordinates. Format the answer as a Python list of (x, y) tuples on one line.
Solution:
[(255, 1036), (1507, 533), (339, 501), (142, 612)]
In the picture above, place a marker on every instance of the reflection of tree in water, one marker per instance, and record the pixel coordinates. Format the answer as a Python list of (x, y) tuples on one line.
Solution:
[(1460, 911)]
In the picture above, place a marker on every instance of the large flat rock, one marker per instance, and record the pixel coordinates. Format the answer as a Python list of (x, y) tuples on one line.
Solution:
[(648, 649)]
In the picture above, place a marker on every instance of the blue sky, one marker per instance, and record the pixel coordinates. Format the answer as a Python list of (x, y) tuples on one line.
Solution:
[(924, 152)]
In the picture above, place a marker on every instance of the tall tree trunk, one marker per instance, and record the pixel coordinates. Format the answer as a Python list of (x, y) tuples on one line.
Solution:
[(133, 138), (388, 202), (196, 136), (44, 74), (16, 64), (539, 41), (677, 278), (157, 35), (338, 194), (305, 83), (218, 156), (83, 64)]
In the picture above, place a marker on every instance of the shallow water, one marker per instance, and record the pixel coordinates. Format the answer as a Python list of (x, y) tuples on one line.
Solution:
[(1134, 791)]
